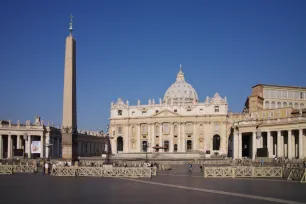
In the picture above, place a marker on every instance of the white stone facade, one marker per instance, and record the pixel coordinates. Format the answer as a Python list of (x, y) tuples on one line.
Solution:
[(178, 123)]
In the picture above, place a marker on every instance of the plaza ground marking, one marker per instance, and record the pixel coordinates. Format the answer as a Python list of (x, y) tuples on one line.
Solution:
[(251, 179), (217, 192)]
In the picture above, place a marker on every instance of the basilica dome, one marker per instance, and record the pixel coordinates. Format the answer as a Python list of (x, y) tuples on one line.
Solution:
[(180, 92)]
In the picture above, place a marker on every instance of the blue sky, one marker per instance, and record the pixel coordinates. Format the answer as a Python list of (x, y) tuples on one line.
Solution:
[(133, 49)]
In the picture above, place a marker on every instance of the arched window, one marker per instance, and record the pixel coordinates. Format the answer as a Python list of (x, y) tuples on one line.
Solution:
[(267, 105), (216, 142), (279, 105), (285, 104), (290, 105), (302, 105), (296, 106), (273, 104), (201, 128)]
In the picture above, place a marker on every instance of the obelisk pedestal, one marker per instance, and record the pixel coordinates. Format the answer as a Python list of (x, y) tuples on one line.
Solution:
[(69, 124)]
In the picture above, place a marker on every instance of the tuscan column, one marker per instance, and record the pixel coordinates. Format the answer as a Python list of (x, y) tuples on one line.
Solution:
[(42, 146), (254, 148), (279, 143), (270, 150), (289, 144), (301, 142), (235, 148), (18, 142), (9, 146), (47, 148), (29, 146), (239, 145), (1, 147)]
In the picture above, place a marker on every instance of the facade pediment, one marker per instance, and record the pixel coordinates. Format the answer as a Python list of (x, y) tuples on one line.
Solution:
[(165, 113)]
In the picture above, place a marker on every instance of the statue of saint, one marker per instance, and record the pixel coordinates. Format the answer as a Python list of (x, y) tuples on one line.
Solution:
[(138, 102), (153, 101), (127, 102), (160, 101)]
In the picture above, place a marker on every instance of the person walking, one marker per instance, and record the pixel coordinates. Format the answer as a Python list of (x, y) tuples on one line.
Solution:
[(46, 168)]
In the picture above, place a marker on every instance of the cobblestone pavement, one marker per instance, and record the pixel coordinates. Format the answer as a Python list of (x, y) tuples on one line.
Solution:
[(180, 189)]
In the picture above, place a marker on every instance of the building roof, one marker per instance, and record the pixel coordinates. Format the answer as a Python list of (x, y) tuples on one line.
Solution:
[(273, 85)]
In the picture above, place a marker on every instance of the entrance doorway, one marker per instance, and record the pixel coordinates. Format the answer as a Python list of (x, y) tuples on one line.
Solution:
[(166, 146), (247, 145), (144, 146), (189, 145), (216, 142), (175, 148), (119, 144)]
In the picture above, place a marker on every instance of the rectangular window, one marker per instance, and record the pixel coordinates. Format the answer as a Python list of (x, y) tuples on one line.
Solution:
[(133, 112), (119, 112), (144, 112), (216, 109), (175, 110), (189, 109), (301, 95), (156, 111)]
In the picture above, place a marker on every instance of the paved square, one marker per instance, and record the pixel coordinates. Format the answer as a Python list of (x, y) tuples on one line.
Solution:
[(179, 187)]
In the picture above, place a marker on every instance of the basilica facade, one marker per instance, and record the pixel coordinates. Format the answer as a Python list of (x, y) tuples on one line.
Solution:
[(179, 122)]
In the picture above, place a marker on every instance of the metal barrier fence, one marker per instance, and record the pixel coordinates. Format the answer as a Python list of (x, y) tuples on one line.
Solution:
[(133, 172), (296, 174), (10, 169), (236, 172)]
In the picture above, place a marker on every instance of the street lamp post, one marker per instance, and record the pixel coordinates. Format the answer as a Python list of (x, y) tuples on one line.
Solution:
[(146, 145)]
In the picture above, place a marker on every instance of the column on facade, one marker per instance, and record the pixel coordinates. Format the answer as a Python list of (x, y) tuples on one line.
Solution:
[(47, 147), (18, 142), (269, 145), (9, 147), (183, 144), (138, 138), (279, 146), (152, 136), (29, 146), (236, 145), (301, 142), (125, 130), (161, 141), (179, 148), (42, 146), (254, 147), (1, 147), (289, 144), (240, 145), (171, 135)]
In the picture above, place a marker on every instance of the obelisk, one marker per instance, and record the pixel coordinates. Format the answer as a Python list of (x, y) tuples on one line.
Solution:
[(69, 124)]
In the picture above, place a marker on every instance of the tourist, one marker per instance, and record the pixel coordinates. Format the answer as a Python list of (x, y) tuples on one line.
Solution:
[(190, 167), (46, 168)]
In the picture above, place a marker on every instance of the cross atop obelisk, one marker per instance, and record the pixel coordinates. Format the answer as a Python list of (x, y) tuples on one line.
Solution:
[(69, 124), (70, 23)]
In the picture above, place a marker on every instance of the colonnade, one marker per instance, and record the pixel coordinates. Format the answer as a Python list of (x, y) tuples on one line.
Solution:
[(289, 143), (48, 146), (88, 148)]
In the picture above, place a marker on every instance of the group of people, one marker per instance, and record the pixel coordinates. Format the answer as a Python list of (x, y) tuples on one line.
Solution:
[(201, 166)]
